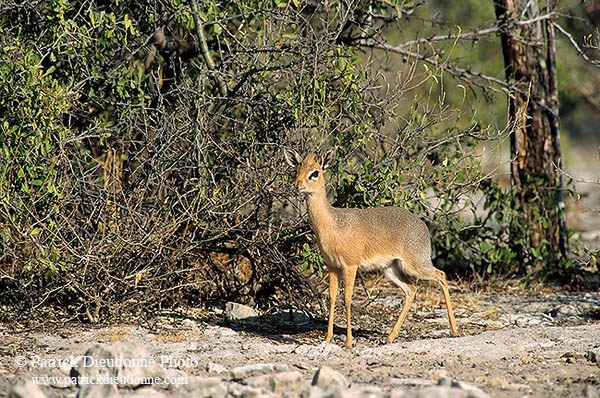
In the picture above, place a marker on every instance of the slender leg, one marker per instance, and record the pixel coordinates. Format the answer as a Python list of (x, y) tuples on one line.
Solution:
[(407, 284), (444, 284), (349, 276), (333, 291), (440, 277), (409, 296)]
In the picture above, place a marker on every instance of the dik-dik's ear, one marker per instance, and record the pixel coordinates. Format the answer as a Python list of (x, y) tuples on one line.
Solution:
[(292, 157), (327, 159)]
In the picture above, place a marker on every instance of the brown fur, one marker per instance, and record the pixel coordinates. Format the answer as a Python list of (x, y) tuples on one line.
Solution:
[(390, 239)]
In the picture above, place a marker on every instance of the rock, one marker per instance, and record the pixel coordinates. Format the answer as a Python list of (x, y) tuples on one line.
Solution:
[(329, 379), (566, 312), (239, 312), (322, 350), (363, 392), (257, 369), (410, 382), (289, 382), (219, 332), (517, 387), (589, 391), (26, 389), (239, 390), (104, 368), (593, 355), (258, 349), (215, 368), (262, 382), (205, 387), (461, 389), (439, 392), (188, 323)]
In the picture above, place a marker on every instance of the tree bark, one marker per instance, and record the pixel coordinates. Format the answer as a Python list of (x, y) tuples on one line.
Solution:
[(530, 67)]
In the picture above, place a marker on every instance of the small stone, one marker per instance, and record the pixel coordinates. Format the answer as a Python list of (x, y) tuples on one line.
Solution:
[(589, 391), (257, 369), (410, 382), (364, 392), (312, 352), (497, 382), (126, 362), (188, 323), (262, 382), (282, 382), (318, 392), (206, 387), (469, 390), (517, 387), (286, 381), (238, 390), (219, 332), (327, 378), (215, 368), (440, 392), (593, 355), (565, 312), (26, 389), (238, 312)]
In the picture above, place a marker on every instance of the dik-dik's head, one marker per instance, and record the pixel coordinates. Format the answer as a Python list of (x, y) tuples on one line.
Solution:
[(309, 171)]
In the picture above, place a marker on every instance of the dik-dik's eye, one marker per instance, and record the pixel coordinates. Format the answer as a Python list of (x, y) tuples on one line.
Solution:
[(314, 175)]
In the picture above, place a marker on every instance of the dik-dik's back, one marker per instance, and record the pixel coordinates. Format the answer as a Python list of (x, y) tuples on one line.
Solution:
[(384, 238), (372, 238)]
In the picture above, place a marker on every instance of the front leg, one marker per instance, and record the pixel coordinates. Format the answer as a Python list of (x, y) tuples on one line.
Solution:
[(349, 276), (333, 291)]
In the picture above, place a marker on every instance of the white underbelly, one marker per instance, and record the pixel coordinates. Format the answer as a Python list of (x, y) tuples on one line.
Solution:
[(377, 263)]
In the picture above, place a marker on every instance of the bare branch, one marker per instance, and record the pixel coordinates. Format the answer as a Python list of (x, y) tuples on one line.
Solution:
[(210, 63), (594, 62)]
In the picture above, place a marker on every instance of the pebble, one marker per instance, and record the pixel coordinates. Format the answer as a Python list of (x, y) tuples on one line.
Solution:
[(590, 391), (206, 387), (26, 389), (257, 369), (317, 351), (215, 368), (593, 355), (239, 312), (327, 379)]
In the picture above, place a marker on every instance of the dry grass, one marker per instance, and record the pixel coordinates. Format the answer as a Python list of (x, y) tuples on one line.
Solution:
[(180, 336), (113, 335)]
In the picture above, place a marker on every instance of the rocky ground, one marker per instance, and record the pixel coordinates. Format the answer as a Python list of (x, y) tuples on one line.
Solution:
[(511, 345)]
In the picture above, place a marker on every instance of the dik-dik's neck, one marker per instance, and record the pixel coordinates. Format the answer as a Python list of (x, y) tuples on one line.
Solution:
[(319, 211)]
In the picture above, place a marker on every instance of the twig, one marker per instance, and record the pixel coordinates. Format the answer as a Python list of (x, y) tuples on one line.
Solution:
[(210, 63), (574, 43), (459, 73)]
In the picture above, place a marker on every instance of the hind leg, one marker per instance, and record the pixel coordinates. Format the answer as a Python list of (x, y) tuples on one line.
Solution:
[(440, 277), (409, 288)]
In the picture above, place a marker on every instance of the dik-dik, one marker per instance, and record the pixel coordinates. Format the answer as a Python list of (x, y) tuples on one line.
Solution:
[(387, 239)]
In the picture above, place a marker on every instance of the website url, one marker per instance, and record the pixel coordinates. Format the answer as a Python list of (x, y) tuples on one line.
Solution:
[(108, 379)]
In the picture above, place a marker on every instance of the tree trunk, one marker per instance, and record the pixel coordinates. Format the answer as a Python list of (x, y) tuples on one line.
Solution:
[(530, 66)]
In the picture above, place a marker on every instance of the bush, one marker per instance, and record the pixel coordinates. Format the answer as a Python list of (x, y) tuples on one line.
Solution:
[(129, 183)]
